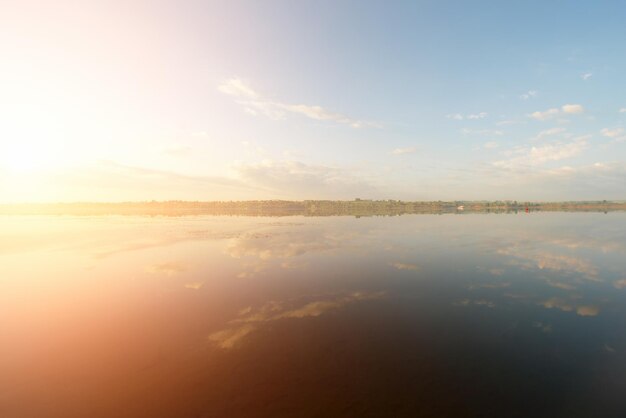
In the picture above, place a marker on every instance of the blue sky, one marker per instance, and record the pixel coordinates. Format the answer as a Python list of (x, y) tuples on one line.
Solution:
[(326, 99)]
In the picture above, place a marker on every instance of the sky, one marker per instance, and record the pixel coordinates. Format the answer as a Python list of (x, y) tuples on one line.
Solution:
[(237, 100)]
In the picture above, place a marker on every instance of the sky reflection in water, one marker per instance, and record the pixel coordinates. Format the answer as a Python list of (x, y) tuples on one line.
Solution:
[(426, 315)]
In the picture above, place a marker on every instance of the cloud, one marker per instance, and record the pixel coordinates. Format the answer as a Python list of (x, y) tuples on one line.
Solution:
[(586, 76), (230, 337), (131, 183), (491, 145), (236, 87), (543, 260), (622, 110), (403, 151), (250, 320), (478, 302), (297, 179), (474, 116), (506, 122), (572, 108), (620, 284), (587, 310), (591, 182), (545, 115), (549, 132), (169, 268), (547, 328), (287, 248), (405, 266), (529, 94), (480, 115), (582, 310), (194, 285), (289, 244), (255, 104), (536, 156), (554, 112), (612, 133), (467, 131), (178, 150), (263, 180)]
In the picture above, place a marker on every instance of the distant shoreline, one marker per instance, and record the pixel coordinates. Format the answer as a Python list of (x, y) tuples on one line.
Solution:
[(356, 207)]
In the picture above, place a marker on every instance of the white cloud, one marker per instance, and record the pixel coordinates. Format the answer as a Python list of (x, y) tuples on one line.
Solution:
[(403, 151), (255, 104), (250, 320), (549, 132), (553, 112), (491, 145), (622, 110), (141, 183), (529, 94), (473, 116), (404, 266), (567, 306), (480, 115), (467, 131), (169, 268), (238, 88), (300, 180), (545, 115), (177, 150), (586, 76), (537, 156), (555, 180), (194, 285), (506, 122), (573, 108), (612, 133)]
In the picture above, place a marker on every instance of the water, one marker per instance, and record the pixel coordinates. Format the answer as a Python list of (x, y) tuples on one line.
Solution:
[(419, 315)]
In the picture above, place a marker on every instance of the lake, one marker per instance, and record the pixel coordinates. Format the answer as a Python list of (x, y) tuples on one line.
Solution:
[(498, 315)]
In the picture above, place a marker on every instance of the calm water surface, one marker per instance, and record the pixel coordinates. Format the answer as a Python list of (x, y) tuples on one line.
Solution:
[(423, 315)]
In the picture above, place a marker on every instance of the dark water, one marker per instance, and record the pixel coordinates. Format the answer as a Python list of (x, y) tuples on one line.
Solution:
[(422, 315)]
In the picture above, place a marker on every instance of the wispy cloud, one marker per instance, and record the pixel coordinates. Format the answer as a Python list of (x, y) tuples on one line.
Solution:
[(615, 133), (569, 306), (255, 104), (622, 110), (169, 268), (545, 115), (586, 76), (236, 87), (141, 183), (467, 131), (538, 155), (403, 151), (491, 145), (405, 266), (177, 150), (529, 94), (506, 122), (554, 112), (572, 108), (297, 179), (549, 132), (471, 116), (251, 320), (532, 258)]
